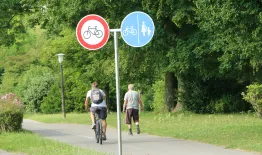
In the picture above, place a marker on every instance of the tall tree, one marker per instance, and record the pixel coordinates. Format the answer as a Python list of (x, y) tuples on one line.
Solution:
[(11, 18)]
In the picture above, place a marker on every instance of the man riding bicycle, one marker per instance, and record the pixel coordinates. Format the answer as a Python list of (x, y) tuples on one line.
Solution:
[(97, 97)]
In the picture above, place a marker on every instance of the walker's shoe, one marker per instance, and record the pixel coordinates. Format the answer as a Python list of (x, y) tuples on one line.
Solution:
[(130, 132), (138, 129), (93, 126), (104, 137)]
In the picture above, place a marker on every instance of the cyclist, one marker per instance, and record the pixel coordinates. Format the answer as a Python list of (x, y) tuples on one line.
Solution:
[(97, 97), (131, 107)]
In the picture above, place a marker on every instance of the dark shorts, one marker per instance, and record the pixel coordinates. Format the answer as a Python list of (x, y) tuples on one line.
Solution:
[(102, 112), (132, 113)]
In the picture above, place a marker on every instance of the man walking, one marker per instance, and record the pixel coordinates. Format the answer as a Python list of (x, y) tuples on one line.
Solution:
[(97, 97), (131, 107)]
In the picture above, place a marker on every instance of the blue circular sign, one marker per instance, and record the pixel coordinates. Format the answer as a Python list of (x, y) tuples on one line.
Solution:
[(137, 29)]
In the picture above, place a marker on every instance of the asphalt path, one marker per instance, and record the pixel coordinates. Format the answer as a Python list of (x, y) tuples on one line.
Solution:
[(8, 153), (83, 136)]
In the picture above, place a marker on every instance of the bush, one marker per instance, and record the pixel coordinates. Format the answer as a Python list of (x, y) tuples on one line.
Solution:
[(11, 114), (159, 96), (215, 95), (34, 86), (52, 102), (147, 100), (194, 96), (226, 104), (254, 96), (11, 97)]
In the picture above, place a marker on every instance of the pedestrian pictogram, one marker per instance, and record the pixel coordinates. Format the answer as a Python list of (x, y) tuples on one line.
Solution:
[(92, 32), (137, 29)]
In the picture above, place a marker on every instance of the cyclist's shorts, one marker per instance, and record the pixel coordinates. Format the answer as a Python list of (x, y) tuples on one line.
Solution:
[(132, 113), (102, 112)]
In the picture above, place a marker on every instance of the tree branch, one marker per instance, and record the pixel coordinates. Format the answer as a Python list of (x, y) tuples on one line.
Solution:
[(8, 23)]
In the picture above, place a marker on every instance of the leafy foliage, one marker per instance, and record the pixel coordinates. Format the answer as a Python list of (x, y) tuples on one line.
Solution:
[(35, 86), (147, 100), (253, 96), (12, 13), (11, 113), (51, 102), (159, 96), (213, 46), (18, 58)]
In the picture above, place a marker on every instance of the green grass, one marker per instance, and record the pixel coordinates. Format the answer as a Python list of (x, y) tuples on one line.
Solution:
[(33, 144), (236, 131)]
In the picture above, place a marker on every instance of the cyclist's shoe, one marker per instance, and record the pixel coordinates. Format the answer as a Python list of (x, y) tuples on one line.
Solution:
[(138, 129), (93, 126), (130, 132), (104, 137)]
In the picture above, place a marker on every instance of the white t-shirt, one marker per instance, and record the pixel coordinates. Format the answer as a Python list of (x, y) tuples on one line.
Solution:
[(102, 104), (132, 98)]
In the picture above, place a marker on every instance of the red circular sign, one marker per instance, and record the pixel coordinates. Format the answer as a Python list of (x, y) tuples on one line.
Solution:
[(92, 32)]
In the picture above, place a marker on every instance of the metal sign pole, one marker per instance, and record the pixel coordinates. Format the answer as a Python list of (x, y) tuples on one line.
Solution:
[(117, 91)]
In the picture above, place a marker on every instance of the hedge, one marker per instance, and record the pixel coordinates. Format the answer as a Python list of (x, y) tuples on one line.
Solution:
[(11, 116)]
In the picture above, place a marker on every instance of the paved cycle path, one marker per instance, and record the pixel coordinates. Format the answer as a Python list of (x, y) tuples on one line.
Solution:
[(83, 136), (8, 153)]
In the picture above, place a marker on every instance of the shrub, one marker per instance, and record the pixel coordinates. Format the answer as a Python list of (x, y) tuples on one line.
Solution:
[(194, 96), (215, 95), (254, 96), (34, 86), (159, 96), (147, 100), (11, 97), (226, 104), (11, 113), (52, 102)]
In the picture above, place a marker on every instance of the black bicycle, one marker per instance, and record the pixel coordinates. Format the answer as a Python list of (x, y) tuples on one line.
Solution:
[(99, 127)]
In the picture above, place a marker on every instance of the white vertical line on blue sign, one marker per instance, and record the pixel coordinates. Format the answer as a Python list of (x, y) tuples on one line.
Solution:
[(138, 39)]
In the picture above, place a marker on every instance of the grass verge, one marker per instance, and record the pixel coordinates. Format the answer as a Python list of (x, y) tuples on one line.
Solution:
[(236, 131), (32, 144)]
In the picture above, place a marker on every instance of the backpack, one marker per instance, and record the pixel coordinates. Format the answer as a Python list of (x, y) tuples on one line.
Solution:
[(96, 96)]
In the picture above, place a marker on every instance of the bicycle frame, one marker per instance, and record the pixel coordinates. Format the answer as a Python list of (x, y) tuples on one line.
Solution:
[(94, 28)]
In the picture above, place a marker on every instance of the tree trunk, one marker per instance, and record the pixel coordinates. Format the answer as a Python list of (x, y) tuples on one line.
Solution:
[(170, 90), (107, 97), (180, 90)]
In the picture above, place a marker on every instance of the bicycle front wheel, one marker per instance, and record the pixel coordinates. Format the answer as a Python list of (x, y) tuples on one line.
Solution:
[(99, 34)]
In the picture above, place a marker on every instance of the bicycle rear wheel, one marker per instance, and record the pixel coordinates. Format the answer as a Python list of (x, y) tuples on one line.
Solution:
[(87, 34), (97, 134), (97, 131), (100, 132)]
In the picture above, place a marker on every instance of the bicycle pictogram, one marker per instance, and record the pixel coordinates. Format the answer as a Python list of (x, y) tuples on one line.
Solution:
[(130, 30), (92, 31)]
